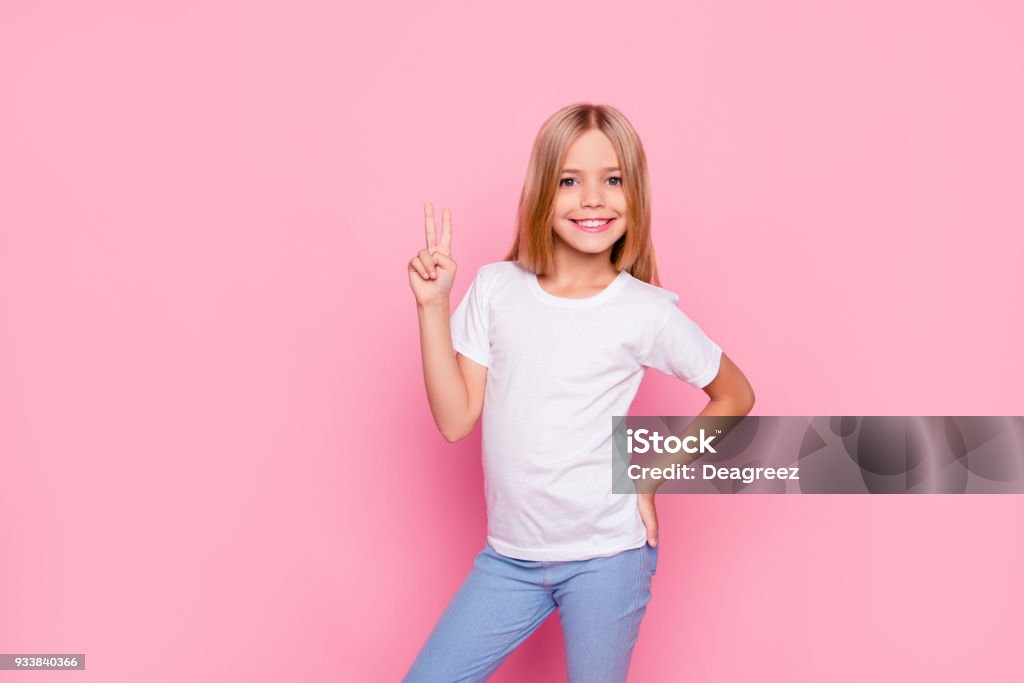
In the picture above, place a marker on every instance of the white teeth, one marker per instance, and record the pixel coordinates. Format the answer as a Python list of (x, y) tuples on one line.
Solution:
[(592, 224)]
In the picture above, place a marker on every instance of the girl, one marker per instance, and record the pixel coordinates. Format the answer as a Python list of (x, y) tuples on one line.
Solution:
[(547, 345)]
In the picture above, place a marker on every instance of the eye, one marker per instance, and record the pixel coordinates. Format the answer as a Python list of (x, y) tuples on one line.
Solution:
[(561, 183)]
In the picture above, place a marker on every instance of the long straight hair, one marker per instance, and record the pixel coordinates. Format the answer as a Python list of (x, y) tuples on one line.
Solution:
[(634, 251)]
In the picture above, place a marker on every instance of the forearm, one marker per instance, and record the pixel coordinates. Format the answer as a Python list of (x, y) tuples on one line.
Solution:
[(718, 417), (446, 388), (720, 408)]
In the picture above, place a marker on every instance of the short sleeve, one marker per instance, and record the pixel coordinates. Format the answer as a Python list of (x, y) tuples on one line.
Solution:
[(681, 349), (470, 323)]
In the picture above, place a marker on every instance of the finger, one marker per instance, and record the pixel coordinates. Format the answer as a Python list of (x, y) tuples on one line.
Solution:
[(446, 231), (428, 212), (428, 262), (418, 267), (649, 515), (651, 526), (444, 261), (652, 531)]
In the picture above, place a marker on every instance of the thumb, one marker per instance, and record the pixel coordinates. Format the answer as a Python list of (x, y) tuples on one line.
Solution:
[(645, 505)]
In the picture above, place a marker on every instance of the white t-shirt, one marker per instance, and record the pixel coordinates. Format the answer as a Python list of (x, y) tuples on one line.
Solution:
[(558, 370)]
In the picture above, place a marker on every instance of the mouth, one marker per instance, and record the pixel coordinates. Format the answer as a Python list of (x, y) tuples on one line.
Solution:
[(593, 224)]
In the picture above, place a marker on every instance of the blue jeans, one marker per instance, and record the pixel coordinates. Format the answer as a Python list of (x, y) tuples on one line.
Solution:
[(503, 600)]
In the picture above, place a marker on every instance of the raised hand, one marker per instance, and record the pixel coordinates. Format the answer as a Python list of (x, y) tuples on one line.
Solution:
[(432, 270)]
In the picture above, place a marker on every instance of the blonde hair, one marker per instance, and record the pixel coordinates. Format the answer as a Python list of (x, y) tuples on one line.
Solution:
[(634, 251)]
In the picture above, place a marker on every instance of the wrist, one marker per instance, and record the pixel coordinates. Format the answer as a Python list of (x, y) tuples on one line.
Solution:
[(440, 303)]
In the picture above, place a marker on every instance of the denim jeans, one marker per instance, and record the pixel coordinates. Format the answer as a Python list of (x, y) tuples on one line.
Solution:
[(502, 600)]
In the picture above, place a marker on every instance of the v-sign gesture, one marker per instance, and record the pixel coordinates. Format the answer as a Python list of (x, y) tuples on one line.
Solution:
[(432, 270)]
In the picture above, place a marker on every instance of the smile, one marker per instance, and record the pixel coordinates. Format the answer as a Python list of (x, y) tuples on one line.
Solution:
[(594, 225)]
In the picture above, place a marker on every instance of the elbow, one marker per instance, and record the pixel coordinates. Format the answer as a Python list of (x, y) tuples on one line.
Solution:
[(460, 430), (738, 404), (455, 435), (735, 403), (747, 402), (452, 437)]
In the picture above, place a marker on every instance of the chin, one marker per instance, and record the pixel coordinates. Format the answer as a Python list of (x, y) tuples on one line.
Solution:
[(592, 250)]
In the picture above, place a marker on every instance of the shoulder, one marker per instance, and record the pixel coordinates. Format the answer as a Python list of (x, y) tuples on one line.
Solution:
[(653, 308), (492, 279), (651, 297), (500, 269), (493, 275)]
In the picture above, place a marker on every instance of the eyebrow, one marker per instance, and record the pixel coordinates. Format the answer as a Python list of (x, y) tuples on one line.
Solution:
[(576, 170)]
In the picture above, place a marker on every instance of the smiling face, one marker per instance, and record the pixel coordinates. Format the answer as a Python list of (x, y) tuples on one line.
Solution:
[(590, 187)]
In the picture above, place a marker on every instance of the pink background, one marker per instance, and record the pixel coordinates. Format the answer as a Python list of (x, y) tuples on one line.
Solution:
[(218, 462)]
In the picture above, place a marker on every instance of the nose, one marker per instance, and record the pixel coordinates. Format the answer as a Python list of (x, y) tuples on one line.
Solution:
[(592, 196)]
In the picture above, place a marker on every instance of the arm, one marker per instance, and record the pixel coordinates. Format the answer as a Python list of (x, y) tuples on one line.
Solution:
[(455, 384), (455, 388), (731, 396), (730, 392)]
